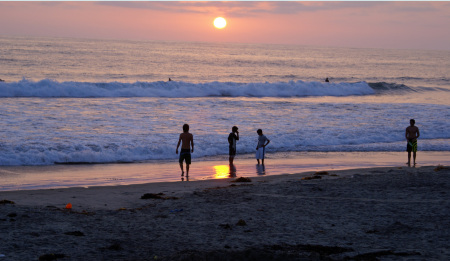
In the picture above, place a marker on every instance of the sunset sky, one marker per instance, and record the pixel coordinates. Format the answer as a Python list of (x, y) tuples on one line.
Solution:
[(418, 25)]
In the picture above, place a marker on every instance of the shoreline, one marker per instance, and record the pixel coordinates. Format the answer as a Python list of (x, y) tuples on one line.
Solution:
[(384, 212), (65, 176)]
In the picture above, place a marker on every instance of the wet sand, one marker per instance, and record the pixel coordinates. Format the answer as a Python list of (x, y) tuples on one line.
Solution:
[(387, 213), (88, 175)]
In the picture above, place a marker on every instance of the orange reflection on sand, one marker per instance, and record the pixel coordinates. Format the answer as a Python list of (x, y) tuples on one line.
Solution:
[(221, 171)]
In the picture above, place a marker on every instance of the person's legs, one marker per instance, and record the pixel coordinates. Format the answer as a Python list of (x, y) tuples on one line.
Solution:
[(188, 163), (181, 167), (414, 157), (263, 155), (409, 149), (259, 154), (409, 158)]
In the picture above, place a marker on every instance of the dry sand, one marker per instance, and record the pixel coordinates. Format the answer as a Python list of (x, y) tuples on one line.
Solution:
[(362, 214)]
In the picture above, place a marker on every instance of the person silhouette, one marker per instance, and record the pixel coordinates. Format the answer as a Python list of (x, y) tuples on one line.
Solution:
[(411, 135)]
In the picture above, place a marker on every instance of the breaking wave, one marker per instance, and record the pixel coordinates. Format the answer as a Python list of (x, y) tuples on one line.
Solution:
[(178, 89)]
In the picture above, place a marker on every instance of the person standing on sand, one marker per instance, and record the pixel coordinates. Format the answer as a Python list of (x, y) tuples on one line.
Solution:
[(232, 138), (263, 141), (411, 135), (187, 142)]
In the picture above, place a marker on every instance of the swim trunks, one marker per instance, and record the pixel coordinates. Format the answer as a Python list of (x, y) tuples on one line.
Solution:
[(260, 153), (411, 146), (232, 151), (185, 154)]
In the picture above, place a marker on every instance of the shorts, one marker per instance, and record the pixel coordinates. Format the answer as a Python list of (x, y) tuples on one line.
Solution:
[(232, 151), (260, 153), (411, 146), (185, 155)]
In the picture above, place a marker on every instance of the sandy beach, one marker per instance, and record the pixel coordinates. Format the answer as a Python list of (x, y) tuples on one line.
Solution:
[(389, 213)]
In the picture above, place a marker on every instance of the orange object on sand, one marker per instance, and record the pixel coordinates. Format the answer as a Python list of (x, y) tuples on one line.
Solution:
[(68, 206)]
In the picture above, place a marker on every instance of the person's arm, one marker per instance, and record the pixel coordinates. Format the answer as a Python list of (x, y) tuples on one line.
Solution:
[(406, 134), (178, 145), (418, 133), (268, 141), (237, 135), (192, 143)]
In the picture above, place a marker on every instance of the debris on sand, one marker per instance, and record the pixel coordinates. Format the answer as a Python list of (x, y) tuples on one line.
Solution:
[(312, 177), (321, 173), (4, 202), (242, 179), (241, 222), (439, 168), (375, 255), (75, 233), (156, 196), (50, 257), (225, 226)]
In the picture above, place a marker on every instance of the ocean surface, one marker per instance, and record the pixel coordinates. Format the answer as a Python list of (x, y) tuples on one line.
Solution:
[(107, 101)]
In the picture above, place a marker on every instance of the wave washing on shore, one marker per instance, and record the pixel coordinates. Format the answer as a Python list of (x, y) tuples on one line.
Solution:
[(97, 101), (104, 130)]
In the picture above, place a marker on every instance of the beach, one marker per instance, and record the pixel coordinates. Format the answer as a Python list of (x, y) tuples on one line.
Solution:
[(89, 169), (386, 213)]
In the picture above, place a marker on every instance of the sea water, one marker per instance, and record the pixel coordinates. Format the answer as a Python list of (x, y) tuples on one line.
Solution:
[(108, 101)]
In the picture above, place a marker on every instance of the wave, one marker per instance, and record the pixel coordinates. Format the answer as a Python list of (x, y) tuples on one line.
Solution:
[(179, 89), (384, 86), (50, 154)]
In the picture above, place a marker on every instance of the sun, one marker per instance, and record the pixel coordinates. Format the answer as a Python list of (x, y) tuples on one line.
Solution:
[(220, 22)]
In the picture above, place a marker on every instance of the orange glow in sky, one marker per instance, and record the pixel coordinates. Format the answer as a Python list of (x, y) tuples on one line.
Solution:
[(371, 24)]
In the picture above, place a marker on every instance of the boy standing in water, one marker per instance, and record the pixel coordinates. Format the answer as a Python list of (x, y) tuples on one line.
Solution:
[(263, 141), (187, 140), (232, 138), (411, 135)]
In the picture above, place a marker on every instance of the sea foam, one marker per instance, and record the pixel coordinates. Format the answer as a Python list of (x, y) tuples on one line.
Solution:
[(179, 89)]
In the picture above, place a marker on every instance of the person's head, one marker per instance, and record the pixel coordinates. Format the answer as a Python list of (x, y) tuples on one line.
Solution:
[(412, 122), (259, 131), (234, 129), (185, 127)]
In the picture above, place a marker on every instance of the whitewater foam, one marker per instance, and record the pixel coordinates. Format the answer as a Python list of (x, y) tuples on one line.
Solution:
[(179, 89)]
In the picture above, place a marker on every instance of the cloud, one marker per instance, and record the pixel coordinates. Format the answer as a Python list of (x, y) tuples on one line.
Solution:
[(243, 8)]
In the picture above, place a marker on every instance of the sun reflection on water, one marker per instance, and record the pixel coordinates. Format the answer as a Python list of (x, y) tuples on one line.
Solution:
[(222, 171)]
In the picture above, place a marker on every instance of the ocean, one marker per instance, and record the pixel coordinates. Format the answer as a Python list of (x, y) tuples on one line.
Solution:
[(85, 101)]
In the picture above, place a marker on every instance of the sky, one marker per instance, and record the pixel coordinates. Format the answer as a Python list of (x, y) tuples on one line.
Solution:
[(372, 24)]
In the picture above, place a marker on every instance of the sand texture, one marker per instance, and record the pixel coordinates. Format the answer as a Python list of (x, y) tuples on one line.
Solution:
[(363, 214)]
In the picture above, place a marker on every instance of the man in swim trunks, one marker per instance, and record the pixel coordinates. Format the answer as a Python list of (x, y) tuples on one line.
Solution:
[(263, 141), (187, 140), (411, 135), (232, 138)]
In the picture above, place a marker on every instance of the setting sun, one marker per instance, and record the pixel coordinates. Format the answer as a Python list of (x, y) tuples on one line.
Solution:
[(220, 22)]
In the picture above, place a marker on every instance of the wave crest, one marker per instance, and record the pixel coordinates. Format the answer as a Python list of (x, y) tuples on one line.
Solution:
[(179, 89)]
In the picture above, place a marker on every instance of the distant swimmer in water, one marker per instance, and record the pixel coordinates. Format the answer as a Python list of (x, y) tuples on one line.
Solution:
[(187, 146), (411, 135), (170, 80), (326, 80)]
